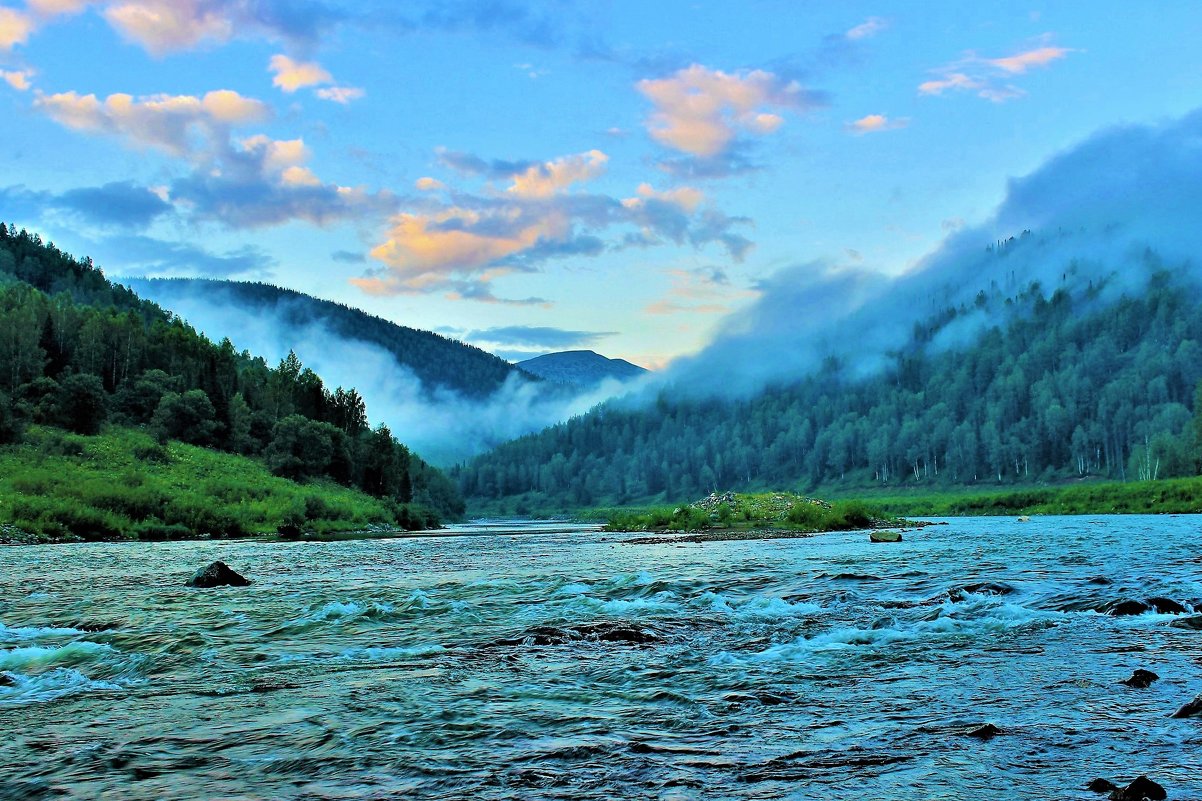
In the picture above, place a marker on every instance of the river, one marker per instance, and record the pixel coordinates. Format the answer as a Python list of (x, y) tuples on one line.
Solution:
[(468, 666)]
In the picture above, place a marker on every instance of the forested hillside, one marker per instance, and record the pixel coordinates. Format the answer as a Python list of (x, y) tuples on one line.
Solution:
[(79, 352), (1067, 386), (437, 361)]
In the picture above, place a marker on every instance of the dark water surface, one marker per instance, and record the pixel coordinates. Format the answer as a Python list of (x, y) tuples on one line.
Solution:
[(820, 668)]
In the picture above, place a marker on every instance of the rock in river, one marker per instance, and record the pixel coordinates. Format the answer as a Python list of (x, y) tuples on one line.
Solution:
[(1140, 679), (986, 732), (218, 574), (1101, 786), (1191, 710), (1142, 789), (885, 536)]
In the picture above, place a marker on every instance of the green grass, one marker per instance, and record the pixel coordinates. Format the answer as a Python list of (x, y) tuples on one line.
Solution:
[(1168, 496), (752, 511), (122, 484)]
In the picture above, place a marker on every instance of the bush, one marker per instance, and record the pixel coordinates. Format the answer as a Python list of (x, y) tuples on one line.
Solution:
[(82, 403)]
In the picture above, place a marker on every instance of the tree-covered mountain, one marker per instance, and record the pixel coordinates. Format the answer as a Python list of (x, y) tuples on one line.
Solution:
[(581, 368), (79, 352), (1062, 385), (438, 362)]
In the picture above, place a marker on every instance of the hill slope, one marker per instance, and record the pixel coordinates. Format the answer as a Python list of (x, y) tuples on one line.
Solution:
[(581, 367), (286, 316), (80, 353), (1068, 387)]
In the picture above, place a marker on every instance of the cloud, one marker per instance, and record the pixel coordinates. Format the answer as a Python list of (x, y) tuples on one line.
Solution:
[(537, 337), (869, 27), (348, 257), (1102, 220), (700, 111), (552, 177), (704, 290), (876, 122), (182, 125), (18, 79), (1021, 62), (120, 203), (260, 182), (473, 165), (989, 78), (291, 75), (15, 28), (462, 245), (340, 94), (162, 26), (428, 184), (145, 256)]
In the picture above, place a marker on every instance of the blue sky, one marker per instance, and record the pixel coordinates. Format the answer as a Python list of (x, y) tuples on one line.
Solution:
[(612, 175)]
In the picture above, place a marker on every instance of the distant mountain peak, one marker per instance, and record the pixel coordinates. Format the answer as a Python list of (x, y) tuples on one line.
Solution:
[(580, 367)]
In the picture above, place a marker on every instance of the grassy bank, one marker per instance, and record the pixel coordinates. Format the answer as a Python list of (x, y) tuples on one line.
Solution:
[(121, 484), (1169, 496)]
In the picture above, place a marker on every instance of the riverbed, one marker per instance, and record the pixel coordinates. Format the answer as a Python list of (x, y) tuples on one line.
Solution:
[(558, 662)]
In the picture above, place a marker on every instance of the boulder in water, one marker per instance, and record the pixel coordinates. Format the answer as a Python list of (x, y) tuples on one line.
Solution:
[(1140, 679), (1124, 608), (1194, 622), (615, 632), (1166, 606), (1101, 786), (1142, 789), (885, 536), (218, 574), (7, 679), (1192, 709), (986, 732)]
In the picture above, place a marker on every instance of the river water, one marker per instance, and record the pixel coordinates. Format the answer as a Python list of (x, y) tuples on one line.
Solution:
[(469, 666)]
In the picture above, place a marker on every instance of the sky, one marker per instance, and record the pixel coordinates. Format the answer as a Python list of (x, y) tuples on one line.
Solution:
[(532, 177)]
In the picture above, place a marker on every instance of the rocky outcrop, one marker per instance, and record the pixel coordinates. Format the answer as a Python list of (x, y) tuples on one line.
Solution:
[(218, 574)]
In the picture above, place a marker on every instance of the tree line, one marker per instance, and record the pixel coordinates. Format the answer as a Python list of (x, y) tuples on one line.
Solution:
[(1064, 387), (78, 351)]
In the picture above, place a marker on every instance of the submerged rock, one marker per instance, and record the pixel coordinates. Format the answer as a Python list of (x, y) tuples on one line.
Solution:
[(1194, 622), (218, 574), (7, 679), (1140, 679), (956, 594), (626, 633), (885, 536), (986, 732), (1192, 709), (1142, 789)]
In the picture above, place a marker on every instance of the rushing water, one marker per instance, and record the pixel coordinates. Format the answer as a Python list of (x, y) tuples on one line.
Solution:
[(818, 668)]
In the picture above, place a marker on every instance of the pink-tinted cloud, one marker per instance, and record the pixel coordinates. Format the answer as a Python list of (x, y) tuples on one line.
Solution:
[(21, 80), (290, 75), (183, 125), (1021, 62), (989, 78), (15, 28), (700, 111), (872, 123)]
